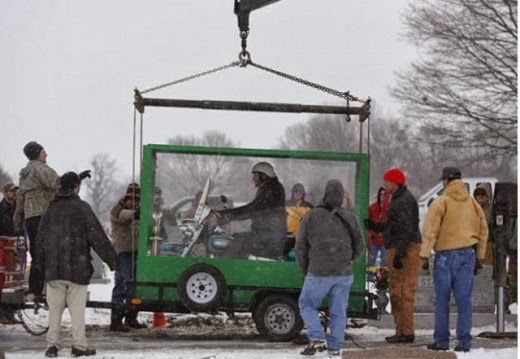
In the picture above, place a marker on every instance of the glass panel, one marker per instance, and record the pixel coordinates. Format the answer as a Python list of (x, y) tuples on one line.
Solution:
[(179, 181)]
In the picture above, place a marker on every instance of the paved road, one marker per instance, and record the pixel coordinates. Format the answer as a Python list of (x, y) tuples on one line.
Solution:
[(14, 338)]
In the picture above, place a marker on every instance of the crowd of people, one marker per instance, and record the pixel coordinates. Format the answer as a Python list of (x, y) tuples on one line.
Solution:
[(457, 231), (62, 230)]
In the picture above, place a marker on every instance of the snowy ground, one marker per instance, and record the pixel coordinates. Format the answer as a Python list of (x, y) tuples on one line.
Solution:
[(172, 342)]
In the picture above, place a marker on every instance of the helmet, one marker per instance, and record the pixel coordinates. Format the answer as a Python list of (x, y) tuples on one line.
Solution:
[(265, 168)]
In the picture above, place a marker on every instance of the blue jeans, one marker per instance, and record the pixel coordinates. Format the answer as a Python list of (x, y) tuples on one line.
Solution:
[(336, 289), (453, 272), (122, 274)]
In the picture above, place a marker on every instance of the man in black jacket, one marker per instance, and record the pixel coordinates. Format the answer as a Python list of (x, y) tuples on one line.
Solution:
[(267, 214), (403, 244), (67, 231)]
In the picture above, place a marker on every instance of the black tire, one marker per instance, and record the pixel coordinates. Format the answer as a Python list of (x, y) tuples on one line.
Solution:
[(201, 288), (277, 318)]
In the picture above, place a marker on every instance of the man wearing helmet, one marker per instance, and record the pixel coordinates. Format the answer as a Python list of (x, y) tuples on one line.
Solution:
[(267, 214)]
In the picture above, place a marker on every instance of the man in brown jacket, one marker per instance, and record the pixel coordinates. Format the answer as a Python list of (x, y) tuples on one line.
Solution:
[(124, 218), (455, 225)]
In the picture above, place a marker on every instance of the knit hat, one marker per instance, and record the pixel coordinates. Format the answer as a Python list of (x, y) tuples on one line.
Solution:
[(395, 175), (68, 181), (32, 150), (132, 191), (450, 173)]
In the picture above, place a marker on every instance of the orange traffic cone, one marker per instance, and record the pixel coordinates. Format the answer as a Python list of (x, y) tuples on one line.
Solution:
[(159, 321)]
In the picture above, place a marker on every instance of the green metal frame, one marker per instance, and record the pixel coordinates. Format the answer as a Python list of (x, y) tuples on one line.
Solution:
[(157, 276)]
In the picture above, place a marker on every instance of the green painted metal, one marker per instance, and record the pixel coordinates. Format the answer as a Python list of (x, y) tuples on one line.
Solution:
[(237, 272)]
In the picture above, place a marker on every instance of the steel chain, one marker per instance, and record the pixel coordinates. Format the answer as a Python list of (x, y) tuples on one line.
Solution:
[(244, 60), (201, 74), (42, 330), (345, 95)]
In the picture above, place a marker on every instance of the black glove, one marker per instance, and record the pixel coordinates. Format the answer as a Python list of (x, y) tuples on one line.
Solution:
[(398, 261), (369, 223), (84, 175), (479, 263), (425, 265), (400, 253)]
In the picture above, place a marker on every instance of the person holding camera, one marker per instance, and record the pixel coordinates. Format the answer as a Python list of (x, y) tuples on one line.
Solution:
[(124, 218)]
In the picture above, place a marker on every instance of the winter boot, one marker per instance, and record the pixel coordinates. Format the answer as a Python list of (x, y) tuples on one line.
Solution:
[(313, 347), (134, 323), (118, 326), (82, 353), (52, 352)]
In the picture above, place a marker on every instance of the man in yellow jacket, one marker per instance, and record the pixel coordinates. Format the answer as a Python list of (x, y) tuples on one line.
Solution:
[(456, 229)]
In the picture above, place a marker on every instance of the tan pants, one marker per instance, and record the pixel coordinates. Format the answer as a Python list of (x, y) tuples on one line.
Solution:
[(402, 285), (61, 294)]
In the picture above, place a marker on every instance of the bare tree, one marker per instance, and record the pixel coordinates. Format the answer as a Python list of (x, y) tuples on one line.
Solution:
[(392, 144), (102, 188), (323, 132), (185, 174), (462, 92)]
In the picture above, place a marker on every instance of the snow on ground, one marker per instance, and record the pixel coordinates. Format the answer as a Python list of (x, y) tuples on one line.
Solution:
[(180, 349)]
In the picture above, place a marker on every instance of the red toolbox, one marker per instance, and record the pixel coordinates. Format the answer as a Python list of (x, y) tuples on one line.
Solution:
[(13, 257)]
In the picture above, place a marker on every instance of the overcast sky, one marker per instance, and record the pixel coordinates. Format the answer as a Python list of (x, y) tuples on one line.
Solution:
[(68, 69)]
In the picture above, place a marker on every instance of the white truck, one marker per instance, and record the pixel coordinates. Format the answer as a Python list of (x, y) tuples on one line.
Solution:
[(470, 183)]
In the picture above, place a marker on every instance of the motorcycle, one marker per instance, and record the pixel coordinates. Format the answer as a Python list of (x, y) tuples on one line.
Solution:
[(204, 235), (208, 235)]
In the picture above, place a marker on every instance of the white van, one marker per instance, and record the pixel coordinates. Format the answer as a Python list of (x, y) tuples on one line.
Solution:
[(470, 183)]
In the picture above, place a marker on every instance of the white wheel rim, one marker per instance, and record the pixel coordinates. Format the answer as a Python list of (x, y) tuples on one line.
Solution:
[(201, 288)]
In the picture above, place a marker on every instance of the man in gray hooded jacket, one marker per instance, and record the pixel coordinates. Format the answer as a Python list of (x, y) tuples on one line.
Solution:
[(328, 241)]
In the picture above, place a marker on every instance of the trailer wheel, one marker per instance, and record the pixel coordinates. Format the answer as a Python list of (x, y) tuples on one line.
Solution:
[(201, 288), (277, 318)]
